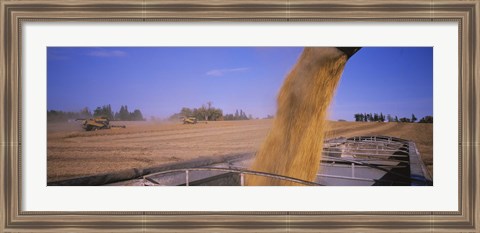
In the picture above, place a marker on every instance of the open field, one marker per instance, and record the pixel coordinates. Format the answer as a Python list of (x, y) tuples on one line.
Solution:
[(72, 152)]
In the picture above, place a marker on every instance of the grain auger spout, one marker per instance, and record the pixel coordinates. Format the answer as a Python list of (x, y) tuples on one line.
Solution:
[(349, 51)]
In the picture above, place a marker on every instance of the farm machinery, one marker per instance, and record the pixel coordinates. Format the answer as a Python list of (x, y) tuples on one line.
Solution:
[(97, 123), (190, 120)]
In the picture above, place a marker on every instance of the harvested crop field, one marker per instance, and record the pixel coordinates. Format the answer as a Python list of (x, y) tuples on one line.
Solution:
[(72, 152)]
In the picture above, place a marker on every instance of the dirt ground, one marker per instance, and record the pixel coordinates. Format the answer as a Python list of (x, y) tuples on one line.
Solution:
[(72, 152)]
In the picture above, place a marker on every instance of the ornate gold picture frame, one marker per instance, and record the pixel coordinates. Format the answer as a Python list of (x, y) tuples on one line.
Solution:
[(14, 13)]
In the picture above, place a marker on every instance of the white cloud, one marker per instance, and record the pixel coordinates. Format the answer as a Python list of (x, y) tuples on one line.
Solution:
[(221, 72), (107, 53)]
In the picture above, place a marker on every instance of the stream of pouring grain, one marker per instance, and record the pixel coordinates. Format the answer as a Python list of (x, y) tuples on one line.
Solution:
[(294, 144)]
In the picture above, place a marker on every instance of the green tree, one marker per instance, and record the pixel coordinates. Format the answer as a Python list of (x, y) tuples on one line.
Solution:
[(426, 119), (389, 118), (202, 113), (85, 113), (413, 119), (98, 112), (137, 115), (186, 112), (123, 114), (381, 117), (104, 111), (216, 114), (357, 117)]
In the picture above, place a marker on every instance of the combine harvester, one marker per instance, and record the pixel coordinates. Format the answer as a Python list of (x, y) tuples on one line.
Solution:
[(191, 121), (94, 124), (355, 161)]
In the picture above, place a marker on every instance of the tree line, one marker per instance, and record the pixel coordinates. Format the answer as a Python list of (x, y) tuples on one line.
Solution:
[(104, 111), (203, 113), (239, 115), (375, 117), (209, 113), (55, 115), (125, 115)]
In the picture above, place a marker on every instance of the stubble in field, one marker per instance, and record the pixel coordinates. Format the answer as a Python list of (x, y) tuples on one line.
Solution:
[(73, 152)]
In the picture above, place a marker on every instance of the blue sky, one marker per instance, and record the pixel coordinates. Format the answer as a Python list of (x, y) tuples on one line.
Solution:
[(161, 80)]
